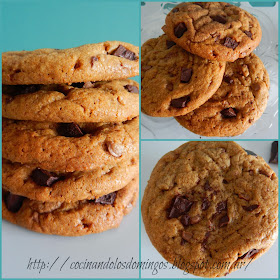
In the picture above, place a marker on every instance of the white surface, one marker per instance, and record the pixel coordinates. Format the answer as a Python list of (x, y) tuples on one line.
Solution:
[(264, 267), (152, 19), (19, 245)]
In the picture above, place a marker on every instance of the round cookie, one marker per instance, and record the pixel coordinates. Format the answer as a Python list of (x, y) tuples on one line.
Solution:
[(74, 218), (93, 62), (208, 203), (213, 30), (238, 103), (69, 147), (112, 101), (41, 185), (175, 82)]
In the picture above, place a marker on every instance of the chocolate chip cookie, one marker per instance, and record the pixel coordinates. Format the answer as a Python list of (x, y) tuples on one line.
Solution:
[(213, 30), (93, 62), (113, 101), (238, 103), (47, 186), (69, 147), (174, 81), (73, 218), (208, 203)]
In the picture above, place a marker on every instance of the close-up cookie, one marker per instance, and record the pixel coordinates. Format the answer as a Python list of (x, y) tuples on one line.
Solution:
[(112, 101), (74, 218), (174, 81), (209, 203), (69, 147), (238, 103), (46, 186), (213, 30), (93, 62)]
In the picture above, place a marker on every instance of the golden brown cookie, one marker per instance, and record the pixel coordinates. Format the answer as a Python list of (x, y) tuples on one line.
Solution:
[(213, 30), (238, 103), (211, 202), (93, 62), (174, 81)]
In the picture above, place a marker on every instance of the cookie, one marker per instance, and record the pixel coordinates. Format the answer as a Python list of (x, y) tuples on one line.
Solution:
[(71, 219), (69, 147), (174, 81), (213, 30), (42, 185), (93, 62), (113, 101), (238, 103), (210, 203)]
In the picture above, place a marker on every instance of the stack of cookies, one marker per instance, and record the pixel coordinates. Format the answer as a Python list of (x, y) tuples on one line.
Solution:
[(202, 70), (70, 137)]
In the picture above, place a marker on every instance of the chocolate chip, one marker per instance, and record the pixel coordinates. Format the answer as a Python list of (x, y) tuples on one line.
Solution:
[(13, 202), (250, 153), (228, 79), (207, 186), (225, 181), (185, 220), (69, 130), (221, 206), (230, 43), (187, 236), (77, 85), (251, 207), (180, 102), (186, 74), (181, 205), (180, 29), (255, 87), (170, 44), (220, 19), (169, 86), (107, 198), (204, 242), (228, 113), (131, 88), (274, 152), (175, 10), (43, 177), (248, 33), (249, 254), (93, 59), (194, 220), (121, 51), (223, 221), (205, 204)]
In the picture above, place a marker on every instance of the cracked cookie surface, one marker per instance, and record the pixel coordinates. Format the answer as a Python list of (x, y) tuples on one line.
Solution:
[(238, 103), (211, 202), (93, 62), (69, 147), (74, 218), (213, 30), (174, 81), (112, 101)]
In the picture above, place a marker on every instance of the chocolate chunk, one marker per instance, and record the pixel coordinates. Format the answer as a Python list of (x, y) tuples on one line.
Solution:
[(181, 205), (131, 88), (77, 85), (204, 242), (220, 19), (205, 204), (249, 254), (228, 113), (121, 51), (251, 153), (13, 202), (207, 186), (185, 220), (194, 220), (248, 33), (228, 79), (186, 74), (274, 152), (170, 44), (107, 198), (222, 206), (180, 102), (93, 59), (175, 10), (225, 181), (223, 221), (251, 207), (180, 29), (230, 43), (169, 86), (43, 177), (69, 130), (187, 236)]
